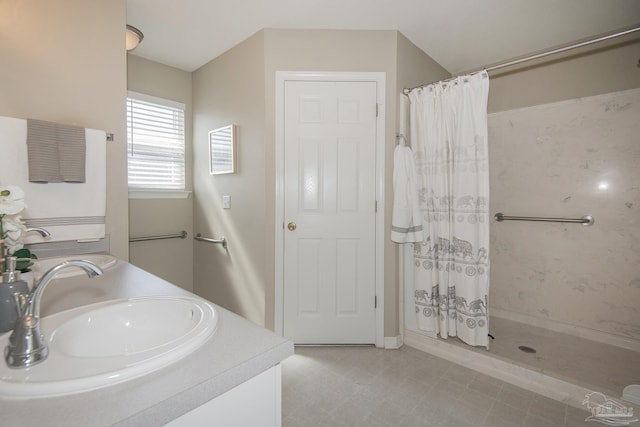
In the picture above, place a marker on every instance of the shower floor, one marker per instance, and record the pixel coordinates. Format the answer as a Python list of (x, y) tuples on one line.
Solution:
[(587, 364), (601, 367)]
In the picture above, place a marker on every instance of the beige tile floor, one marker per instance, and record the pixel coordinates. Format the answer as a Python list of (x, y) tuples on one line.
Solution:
[(365, 386)]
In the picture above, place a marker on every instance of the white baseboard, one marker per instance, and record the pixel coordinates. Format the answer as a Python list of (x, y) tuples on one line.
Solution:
[(565, 328), (393, 343)]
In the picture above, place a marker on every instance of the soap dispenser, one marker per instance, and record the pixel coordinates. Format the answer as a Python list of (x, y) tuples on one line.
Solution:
[(11, 284)]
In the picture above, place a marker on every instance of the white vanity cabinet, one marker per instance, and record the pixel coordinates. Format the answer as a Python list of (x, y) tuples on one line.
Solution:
[(256, 402), (232, 379)]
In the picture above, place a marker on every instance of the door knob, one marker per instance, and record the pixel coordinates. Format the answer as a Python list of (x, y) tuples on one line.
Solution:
[(291, 226)]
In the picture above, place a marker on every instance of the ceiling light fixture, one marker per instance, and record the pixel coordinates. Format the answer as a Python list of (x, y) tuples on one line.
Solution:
[(134, 37)]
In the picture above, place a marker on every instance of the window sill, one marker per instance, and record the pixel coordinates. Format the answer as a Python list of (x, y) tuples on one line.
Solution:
[(158, 194)]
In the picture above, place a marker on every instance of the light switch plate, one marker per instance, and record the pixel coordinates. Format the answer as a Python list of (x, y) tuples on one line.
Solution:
[(226, 202)]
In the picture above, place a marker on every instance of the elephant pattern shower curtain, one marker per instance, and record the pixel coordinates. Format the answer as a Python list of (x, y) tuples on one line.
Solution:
[(448, 136)]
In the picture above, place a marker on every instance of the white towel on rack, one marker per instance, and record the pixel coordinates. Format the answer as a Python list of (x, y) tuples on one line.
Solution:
[(406, 220), (69, 211)]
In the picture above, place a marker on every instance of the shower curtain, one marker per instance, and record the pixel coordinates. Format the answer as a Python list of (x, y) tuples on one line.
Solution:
[(448, 136)]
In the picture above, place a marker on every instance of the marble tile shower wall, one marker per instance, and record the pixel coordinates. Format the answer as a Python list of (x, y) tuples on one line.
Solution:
[(569, 159)]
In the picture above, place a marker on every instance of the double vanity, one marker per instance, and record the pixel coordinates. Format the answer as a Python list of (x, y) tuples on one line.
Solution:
[(130, 349)]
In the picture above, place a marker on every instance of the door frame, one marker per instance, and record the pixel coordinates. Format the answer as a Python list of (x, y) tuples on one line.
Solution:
[(380, 79)]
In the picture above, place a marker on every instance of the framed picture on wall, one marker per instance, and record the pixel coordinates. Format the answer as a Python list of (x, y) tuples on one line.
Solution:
[(222, 150)]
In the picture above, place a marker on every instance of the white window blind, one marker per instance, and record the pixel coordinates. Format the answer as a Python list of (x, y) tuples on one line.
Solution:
[(155, 142)]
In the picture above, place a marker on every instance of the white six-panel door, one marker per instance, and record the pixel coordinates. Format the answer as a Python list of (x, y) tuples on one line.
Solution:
[(329, 212)]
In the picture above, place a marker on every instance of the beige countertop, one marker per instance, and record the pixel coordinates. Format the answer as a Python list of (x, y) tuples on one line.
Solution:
[(237, 351)]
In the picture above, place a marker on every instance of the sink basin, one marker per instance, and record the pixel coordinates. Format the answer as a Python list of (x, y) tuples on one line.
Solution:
[(103, 344), (42, 265)]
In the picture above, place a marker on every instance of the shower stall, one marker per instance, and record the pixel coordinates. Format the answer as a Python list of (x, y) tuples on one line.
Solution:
[(564, 299)]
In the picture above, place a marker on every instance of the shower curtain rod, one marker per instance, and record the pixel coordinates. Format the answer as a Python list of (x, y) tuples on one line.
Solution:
[(542, 54)]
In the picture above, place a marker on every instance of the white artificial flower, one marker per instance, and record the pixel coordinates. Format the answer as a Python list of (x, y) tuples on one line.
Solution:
[(13, 228), (11, 200)]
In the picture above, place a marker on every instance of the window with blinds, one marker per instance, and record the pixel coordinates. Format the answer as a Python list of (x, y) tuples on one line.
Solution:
[(155, 142)]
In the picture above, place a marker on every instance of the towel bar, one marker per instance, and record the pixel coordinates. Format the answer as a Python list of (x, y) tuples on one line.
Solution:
[(222, 241), (181, 235), (585, 220)]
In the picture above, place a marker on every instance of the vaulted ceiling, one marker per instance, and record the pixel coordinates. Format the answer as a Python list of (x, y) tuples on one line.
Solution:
[(459, 34)]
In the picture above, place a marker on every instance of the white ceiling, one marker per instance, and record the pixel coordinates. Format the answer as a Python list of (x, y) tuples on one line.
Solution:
[(459, 34)]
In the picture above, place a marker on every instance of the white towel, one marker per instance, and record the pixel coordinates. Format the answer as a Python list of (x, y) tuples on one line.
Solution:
[(69, 211), (406, 220)]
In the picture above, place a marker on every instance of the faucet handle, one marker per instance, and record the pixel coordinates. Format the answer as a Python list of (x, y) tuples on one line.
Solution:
[(42, 231)]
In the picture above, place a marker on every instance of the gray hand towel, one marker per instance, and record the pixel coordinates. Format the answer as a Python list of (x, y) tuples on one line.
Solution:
[(42, 151), (56, 152), (71, 153)]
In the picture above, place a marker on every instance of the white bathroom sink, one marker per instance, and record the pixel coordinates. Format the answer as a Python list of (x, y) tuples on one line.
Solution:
[(103, 344), (42, 265)]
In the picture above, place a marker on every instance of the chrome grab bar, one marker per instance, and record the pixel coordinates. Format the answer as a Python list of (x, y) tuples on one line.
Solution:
[(181, 235), (222, 241), (585, 220)]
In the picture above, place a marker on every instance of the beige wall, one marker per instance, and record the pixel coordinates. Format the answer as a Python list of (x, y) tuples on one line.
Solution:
[(230, 90), (239, 87), (170, 259), (64, 61), (415, 67), (597, 69)]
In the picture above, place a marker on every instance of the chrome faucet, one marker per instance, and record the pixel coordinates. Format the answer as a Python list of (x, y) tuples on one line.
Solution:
[(27, 345), (44, 233)]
